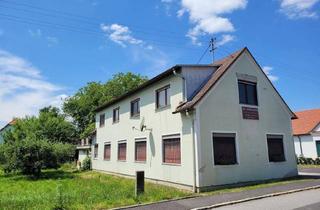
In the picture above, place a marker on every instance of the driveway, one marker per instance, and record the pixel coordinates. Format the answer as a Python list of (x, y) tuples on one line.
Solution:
[(301, 200), (310, 170)]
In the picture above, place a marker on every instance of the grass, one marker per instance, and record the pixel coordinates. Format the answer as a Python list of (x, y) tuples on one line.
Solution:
[(76, 190), (308, 166), (70, 189)]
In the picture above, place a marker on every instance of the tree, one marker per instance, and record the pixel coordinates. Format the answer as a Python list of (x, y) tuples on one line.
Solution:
[(39, 142), (81, 106)]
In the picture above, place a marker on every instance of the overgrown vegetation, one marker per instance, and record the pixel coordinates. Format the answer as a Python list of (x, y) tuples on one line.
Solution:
[(308, 161), (86, 164), (40, 142), (82, 104), (69, 189)]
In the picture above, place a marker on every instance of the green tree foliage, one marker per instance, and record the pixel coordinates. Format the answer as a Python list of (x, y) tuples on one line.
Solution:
[(40, 142), (81, 106)]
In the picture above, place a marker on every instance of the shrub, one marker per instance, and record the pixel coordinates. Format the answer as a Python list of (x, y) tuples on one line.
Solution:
[(317, 161), (64, 152), (28, 156), (86, 164)]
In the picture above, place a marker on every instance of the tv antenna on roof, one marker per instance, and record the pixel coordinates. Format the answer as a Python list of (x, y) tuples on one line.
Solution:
[(213, 42)]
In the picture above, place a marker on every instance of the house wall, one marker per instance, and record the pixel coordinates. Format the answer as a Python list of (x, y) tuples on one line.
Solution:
[(162, 122), (83, 153), (220, 111), (308, 144)]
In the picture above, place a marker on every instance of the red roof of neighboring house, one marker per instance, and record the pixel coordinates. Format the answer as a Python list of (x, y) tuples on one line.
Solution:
[(12, 122), (306, 122)]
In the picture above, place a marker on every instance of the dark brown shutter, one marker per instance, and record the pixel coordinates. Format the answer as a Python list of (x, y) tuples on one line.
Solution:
[(141, 151), (224, 149), (171, 150), (122, 151), (107, 151), (275, 148)]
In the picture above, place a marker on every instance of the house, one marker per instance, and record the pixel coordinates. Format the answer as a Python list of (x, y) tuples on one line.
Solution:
[(199, 126), (83, 148), (306, 131), (6, 128)]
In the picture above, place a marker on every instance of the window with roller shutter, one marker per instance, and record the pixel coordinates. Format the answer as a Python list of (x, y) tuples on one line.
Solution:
[(171, 149)]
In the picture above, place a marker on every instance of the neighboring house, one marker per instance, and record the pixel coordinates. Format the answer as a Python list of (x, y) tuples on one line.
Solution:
[(199, 126), (84, 148), (306, 131), (6, 128)]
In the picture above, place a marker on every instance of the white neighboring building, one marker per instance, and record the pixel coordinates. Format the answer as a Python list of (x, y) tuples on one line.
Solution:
[(199, 126), (84, 148), (306, 131)]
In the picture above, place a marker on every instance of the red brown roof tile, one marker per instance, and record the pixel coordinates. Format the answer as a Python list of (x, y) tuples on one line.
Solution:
[(307, 121)]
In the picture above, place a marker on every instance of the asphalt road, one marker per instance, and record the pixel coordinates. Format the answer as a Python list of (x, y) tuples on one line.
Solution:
[(309, 200)]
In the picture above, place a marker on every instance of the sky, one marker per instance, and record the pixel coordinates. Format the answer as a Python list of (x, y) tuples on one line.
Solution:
[(51, 48)]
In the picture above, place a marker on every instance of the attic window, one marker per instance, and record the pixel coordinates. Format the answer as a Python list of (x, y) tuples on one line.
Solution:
[(248, 93), (162, 97)]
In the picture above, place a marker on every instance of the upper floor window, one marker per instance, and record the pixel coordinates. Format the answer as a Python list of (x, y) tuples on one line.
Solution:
[(101, 120), (275, 148), (135, 107), (162, 97), (116, 113), (247, 92)]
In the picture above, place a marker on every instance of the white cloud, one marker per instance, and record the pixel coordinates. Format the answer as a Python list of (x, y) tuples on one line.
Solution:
[(35, 33), (226, 38), (120, 34), (52, 41), (206, 16), (298, 8), (23, 89), (267, 70)]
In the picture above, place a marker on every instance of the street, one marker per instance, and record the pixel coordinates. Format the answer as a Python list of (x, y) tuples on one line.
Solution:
[(309, 199)]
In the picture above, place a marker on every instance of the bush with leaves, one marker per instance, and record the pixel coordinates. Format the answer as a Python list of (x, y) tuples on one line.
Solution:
[(86, 164)]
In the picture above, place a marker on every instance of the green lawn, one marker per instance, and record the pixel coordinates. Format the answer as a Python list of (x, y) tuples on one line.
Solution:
[(83, 190), (90, 190), (308, 166)]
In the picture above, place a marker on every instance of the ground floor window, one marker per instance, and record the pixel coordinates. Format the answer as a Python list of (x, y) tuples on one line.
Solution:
[(95, 153), (275, 148), (171, 149), (107, 151), (224, 148), (318, 148), (140, 150), (122, 150)]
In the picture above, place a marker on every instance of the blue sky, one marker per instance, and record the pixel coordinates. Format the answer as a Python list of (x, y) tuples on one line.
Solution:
[(51, 48)]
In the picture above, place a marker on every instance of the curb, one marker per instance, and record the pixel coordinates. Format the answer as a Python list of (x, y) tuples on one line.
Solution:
[(256, 198), (162, 201)]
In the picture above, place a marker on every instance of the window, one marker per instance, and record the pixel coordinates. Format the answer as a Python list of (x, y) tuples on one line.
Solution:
[(95, 155), (135, 108), (275, 148), (162, 97), (141, 150), (224, 148), (171, 149), (122, 151), (116, 115), (107, 151), (102, 120), (248, 93)]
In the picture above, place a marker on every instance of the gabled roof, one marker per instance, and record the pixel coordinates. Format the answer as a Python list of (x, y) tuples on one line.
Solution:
[(307, 121), (224, 65)]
